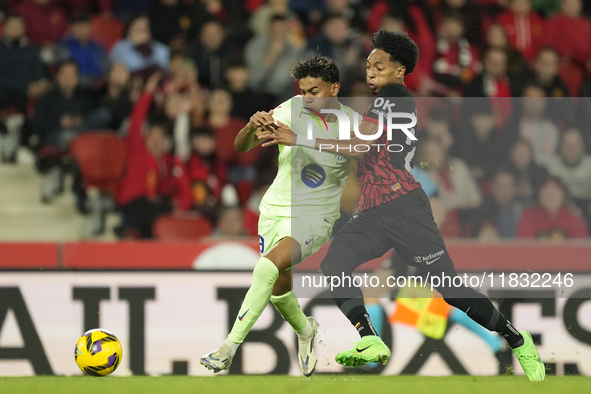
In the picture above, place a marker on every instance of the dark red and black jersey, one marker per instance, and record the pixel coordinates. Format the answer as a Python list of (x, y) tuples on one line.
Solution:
[(385, 170)]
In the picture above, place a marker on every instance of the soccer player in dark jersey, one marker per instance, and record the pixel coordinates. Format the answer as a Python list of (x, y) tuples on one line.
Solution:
[(394, 211)]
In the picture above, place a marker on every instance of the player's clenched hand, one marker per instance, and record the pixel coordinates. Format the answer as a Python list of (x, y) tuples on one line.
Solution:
[(261, 119), (281, 135)]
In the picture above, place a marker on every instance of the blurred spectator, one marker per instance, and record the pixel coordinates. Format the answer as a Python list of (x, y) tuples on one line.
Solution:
[(529, 177), (46, 23), (251, 208), (270, 59), (140, 54), (438, 127), (496, 37), (171, 22), (261, 20), (457, 188), (348, 10), (230, 223), (60, 113), (534, 126), (126, 10), (211, 54), (546, 8), (545, 73), (493, 81), (499, 214), (183, 87), (245, 101), (583, 113), (474, 20), (573, 167), (73, 7), (479, 143), (334, 41), (114, 99), (564, 31), (225, 126), (60, 116), (456, 61), (552, 220), (86, 52), (155, 181), (232, 14), (21, 70), (416, 19), (207, 174), (524, 27)]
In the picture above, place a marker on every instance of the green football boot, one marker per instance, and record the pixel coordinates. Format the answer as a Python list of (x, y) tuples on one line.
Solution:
[(370, 349), (529, 358)]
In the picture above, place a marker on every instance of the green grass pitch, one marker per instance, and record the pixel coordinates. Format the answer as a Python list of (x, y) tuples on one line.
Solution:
[(265, 384)]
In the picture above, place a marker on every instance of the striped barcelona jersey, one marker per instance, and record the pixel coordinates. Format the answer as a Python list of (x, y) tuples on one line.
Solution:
[(385, 175)]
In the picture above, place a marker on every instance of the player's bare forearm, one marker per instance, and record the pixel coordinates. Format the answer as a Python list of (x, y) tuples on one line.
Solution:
[(247, 137)]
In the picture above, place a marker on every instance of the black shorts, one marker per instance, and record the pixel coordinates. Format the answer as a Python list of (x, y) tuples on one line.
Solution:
[(405, 224)]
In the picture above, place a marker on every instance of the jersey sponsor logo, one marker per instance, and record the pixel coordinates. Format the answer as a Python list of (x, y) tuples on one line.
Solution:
[(396, 186), (340, 157), (313, 175), (430, 259), (308, 241)]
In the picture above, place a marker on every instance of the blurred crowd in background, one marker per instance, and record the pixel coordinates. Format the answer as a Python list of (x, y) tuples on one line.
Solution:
[(175, 80)]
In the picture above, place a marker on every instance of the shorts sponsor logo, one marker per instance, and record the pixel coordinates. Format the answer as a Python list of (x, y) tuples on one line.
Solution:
[(430, 259), (313, 175)]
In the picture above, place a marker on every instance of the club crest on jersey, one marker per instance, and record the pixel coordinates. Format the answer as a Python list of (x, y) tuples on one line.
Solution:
[(313, 175), (396, 186)]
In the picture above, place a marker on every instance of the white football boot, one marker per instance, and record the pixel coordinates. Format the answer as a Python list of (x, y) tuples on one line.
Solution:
[(218, 360), (306, 352)]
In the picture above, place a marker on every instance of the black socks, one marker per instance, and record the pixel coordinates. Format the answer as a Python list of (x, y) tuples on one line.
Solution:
[(359, 318)]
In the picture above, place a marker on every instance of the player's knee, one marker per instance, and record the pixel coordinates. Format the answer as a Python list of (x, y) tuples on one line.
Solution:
[(338, 260)]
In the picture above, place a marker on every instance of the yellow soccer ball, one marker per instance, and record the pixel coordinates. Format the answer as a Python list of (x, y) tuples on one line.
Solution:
[(98, 352)]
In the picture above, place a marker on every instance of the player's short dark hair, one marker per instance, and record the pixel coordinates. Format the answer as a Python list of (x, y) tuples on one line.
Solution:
[(399, 46), (321, 67)]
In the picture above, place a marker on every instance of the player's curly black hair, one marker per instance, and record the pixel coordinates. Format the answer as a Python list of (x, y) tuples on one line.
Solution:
[(399, 46), (321, 67)]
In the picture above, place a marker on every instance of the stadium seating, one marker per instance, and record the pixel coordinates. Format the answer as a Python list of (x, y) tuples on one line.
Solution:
[(106, 30), (101, 158), (181, 228)]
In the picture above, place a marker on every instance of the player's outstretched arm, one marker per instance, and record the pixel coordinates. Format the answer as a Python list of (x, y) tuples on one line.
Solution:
[(284, 136), (246, 138)]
